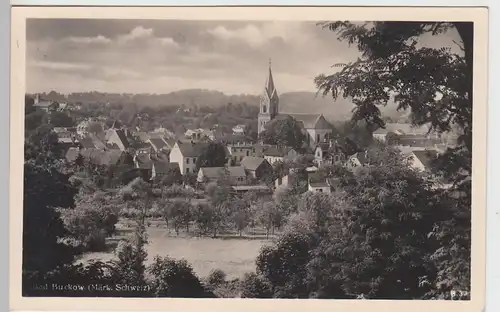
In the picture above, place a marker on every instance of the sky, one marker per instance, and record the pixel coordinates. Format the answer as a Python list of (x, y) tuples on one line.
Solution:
[(162, 56)]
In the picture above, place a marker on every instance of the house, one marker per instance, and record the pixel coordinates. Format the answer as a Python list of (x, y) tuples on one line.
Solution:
[(104, 158), (422, 160), (413, 140), (319, 187), (274, 154), (97, 141), (256, 167), (399, 129), (92, 142), (161, 168), (72, 154), (164, 132), (119, 138), (236, 175), (237, 151), (62, 107), (260, 190), (285, 181), (89, 126), (44, 105), (199, 134), (239, 130), (358, 160), (159, 144), (186, 154), (328, 153)]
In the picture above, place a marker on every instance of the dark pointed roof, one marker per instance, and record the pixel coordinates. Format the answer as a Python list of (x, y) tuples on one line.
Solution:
[(270, 87), (310, 121)]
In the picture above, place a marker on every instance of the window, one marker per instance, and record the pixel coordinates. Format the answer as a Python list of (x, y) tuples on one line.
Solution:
[(187, 170), (320, 190), (318, 138), (187, 160), (264, 108), (241, 158), (194, 160), (248, 153)]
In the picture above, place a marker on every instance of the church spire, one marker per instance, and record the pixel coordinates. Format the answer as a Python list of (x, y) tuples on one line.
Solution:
[(271, 89)]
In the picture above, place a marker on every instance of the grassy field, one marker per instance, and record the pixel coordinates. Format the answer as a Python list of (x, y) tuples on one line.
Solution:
[(232, 254)]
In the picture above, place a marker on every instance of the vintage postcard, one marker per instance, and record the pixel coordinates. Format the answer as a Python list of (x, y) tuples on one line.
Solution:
[(316, 157)]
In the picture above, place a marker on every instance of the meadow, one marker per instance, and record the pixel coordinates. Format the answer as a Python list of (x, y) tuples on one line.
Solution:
[(233, 254)]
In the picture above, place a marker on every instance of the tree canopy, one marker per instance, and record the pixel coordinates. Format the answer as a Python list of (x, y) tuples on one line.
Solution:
[(214, 155), (283, 132)]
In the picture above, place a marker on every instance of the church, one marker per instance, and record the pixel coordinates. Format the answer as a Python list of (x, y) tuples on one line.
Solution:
[(315, 126)]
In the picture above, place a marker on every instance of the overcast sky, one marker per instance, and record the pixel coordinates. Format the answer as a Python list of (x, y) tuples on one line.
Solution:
[(153, 56)]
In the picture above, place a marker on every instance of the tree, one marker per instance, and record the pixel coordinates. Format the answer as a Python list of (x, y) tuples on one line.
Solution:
[(283, 132), (240, 214), (60, 119), (270, 217), (284, 264), (92, 220), (129, 267), (214, 155), (42, 146), (393, 46), (179, 212), (435, 84), (255, 286), (95, 127), (175, 279), (43, 231)]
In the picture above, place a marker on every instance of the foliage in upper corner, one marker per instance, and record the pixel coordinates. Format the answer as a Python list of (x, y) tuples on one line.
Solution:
[(434, 83)]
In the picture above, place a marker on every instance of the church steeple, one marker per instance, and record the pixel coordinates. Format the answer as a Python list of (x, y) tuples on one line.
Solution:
[(269, 101)]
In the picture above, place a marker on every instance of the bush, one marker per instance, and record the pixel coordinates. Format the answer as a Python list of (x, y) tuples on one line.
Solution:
[(255, 286), (216, 278), (229, 289)]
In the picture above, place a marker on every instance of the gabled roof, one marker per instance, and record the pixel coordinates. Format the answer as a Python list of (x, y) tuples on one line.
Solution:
[(252, 163), (276, 151), (65, 140), (191, 149), (72, 154), (162, 167), (123, 137), (87, 142), (319, 184), (100, 157), (158, 143), (426, 157), (43, 103), (217, 172), (97, 141), (310, 121)]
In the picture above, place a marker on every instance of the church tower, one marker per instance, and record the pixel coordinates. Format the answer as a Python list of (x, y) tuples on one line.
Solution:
[(269, 102)]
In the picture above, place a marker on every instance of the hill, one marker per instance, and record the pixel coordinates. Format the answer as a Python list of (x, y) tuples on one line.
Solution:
[(292, 102)]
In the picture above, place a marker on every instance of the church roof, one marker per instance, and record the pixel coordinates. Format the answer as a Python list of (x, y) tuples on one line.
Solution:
[(310, 121)]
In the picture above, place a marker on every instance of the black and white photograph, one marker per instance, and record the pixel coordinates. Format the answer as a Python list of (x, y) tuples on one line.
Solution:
[(277, 159)]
